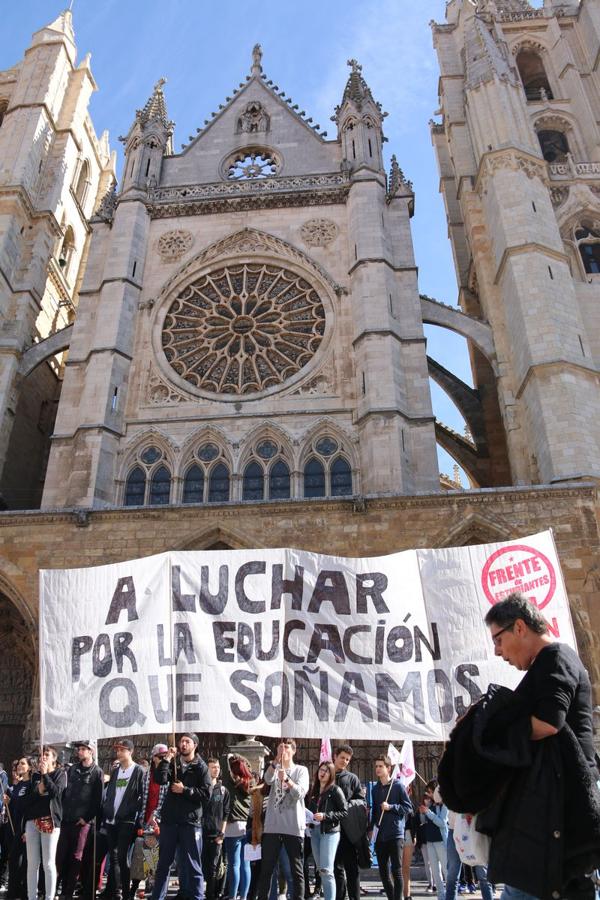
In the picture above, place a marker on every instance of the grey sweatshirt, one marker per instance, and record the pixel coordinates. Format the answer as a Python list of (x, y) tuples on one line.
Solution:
[(285, 808)]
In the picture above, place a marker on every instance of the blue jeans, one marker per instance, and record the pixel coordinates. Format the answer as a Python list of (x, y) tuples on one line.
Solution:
[(453, 873), (324, 848), (186, 841), (511, 893), (238, 869)]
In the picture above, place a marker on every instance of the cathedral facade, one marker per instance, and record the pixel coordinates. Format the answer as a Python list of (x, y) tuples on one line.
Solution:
[(225, 348)]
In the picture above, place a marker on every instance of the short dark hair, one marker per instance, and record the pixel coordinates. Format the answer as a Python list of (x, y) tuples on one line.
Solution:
[(516, 606), (385, 760), (343, 748), (290, 741), (212, 759)]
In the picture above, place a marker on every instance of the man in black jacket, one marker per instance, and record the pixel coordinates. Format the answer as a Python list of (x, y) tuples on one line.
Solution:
[(82, 801), (121, 811), (555, 692), (181, 816), (347, 873)]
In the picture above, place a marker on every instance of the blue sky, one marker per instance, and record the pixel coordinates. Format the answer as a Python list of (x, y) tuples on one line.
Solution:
[(203, 48)]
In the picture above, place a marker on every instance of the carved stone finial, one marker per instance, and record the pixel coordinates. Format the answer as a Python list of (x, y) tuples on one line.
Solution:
[(160, 84), (257, 59), (355, 66)]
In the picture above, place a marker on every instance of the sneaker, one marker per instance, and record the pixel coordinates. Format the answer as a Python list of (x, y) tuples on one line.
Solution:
[(462, 889), (471, 888)]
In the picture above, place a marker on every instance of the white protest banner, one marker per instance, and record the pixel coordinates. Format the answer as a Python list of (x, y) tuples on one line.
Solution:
[(283, 641)]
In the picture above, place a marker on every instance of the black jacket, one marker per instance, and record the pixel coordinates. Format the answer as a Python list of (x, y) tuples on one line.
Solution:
[(82, 798), (538, 800), (216, 810), (50, 803), (334, 806), (350, 785), (130, 808), (185, 808)]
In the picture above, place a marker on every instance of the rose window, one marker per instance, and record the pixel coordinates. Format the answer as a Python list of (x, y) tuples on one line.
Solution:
[(243, 328), (253, 164)]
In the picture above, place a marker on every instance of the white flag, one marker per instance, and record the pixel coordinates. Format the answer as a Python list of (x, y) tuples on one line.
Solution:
[(407, 764), (395, 759)]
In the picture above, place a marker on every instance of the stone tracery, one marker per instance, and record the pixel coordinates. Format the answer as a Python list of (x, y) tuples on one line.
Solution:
[(243, 328)]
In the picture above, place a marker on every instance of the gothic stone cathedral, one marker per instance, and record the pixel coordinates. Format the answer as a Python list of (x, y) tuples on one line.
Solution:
[(225, 348)]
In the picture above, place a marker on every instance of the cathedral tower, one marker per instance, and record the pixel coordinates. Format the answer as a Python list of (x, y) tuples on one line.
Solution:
[(52, 168), (518, 151)]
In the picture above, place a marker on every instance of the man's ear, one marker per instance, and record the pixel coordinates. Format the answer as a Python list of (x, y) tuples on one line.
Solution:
[(519, 627)]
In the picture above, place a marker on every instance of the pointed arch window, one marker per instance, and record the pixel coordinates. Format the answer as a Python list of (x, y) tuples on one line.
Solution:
[(218, 484), (314, 478), (588, 244), (135, 487), (341, 478), (193, 485), (254, 482), (160, 487), (533, 75), (83, 182), (279, 481), (67, 249), (554, 145), (328, 472)]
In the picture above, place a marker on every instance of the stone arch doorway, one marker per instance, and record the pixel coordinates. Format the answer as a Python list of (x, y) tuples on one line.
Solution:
[(17, 675)]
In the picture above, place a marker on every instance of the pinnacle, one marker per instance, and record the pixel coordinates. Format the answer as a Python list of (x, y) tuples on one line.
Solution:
[(356, 88), (155, 108)]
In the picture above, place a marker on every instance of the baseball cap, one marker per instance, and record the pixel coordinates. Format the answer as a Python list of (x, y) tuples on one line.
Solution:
[(124, 743), (159, 750), (86, 742)]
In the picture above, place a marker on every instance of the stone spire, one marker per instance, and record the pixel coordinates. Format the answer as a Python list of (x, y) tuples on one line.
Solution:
[(155, 109), (486, 53), (61, 27), (356, 88)]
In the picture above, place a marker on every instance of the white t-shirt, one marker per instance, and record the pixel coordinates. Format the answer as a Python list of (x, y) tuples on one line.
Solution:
[(123, 776)]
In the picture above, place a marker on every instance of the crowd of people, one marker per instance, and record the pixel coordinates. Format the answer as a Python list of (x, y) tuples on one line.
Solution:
[(72, 830)]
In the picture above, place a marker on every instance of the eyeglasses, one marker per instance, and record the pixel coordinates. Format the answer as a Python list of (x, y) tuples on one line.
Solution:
[(495, 636)]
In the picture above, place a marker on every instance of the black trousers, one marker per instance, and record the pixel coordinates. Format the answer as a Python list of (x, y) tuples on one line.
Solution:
[(389, 855), (17, 869), (119, 838), (211, 854), (346, 871), (270, 846), (96, 848)]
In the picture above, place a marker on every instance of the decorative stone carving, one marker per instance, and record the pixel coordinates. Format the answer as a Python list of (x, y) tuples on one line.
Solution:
[(515, 161), (160, 394), (252, 193), (250, 240), (318, 385), (174, 244), (558, 195), (243, 328), (318, 232), (254, 119)]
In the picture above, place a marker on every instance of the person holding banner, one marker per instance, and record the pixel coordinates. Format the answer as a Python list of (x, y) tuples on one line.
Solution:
[(121, 810), (329, 808), (391, 807), (189, 783), (82, 801), (285, 818), (43, 817)]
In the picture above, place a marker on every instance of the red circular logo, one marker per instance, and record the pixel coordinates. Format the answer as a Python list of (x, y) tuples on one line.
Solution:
[(519, 568)]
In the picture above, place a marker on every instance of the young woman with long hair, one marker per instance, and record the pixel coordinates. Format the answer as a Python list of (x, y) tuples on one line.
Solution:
[(328, 806), (43, 816), (238, 779)]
